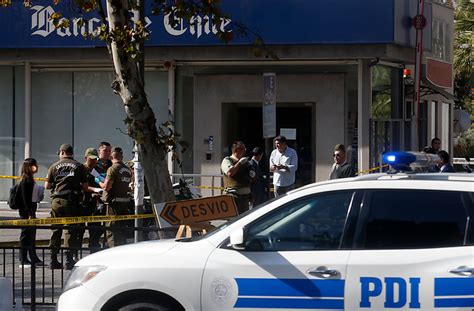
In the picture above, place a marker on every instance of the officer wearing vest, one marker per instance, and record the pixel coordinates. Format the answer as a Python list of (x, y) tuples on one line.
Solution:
[(91, 199), (238, 176), (116, 188), (67, 179)]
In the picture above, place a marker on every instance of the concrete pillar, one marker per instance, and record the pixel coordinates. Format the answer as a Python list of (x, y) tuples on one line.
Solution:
[(364, 99), (28, 122)]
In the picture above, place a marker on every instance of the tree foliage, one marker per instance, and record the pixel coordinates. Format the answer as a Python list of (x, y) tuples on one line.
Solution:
[(464, 53), (123, 29)]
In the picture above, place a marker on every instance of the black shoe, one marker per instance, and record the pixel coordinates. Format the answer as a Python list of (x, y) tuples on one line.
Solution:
[(70, 265), (55, 265), (38, 263)]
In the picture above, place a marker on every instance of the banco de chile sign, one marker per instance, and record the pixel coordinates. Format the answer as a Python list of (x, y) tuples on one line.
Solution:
[(283, 22), (42, 25)]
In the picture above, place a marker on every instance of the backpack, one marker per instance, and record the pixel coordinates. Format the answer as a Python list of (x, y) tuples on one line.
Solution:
[(14, 200)]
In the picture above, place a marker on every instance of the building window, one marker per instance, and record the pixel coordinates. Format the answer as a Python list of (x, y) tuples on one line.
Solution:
[(386, 113), (441, 40), (67, 107)]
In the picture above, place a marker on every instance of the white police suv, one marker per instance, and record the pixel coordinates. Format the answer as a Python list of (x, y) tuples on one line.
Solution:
[(394, 241)]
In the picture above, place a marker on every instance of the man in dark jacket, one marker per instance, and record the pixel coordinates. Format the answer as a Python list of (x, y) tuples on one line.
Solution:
[(444, 162), (258, 184), (340, 168)]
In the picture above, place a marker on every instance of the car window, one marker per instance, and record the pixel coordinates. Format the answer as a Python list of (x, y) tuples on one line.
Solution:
[(311, 223), (397, 219)]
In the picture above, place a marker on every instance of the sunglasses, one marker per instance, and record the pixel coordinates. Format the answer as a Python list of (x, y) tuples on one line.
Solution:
[(337, 155)]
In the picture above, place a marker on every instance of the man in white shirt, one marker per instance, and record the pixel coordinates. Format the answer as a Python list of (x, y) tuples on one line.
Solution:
[(283, 164)]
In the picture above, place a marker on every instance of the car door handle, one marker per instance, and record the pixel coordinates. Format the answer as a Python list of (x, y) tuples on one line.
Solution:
[(323, 272), (463, 270)]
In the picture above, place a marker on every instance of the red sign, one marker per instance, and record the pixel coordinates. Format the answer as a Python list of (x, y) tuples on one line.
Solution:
[(439, 73), (419, 21)]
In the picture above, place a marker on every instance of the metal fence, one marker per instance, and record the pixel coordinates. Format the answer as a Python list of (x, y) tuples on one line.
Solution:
[(38, 285)]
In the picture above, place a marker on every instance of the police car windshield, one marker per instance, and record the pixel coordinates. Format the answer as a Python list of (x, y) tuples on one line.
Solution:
[(225, 224)]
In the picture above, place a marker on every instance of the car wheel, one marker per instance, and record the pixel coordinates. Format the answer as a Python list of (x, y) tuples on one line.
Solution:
[(144, 306)]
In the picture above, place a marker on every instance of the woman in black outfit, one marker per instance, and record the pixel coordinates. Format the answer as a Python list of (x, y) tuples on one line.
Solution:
[(28, 211)]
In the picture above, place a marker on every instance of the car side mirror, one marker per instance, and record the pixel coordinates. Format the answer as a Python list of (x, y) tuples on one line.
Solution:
[(237, 239)]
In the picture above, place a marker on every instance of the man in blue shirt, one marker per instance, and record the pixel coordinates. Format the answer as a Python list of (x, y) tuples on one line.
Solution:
[(283, 164)]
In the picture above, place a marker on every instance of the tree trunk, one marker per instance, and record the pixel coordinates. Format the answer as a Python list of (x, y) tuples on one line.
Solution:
[(140, 120)]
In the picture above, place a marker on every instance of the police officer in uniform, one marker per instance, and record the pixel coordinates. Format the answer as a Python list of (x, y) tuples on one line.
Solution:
[(91, 200), (67, 179), (238, 176), (116, 188)]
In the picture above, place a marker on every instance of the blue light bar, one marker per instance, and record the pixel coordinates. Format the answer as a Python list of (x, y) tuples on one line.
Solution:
[(408, 160), (399, 160)]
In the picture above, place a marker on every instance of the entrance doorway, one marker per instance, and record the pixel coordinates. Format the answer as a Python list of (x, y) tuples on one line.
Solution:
[(244, 121)]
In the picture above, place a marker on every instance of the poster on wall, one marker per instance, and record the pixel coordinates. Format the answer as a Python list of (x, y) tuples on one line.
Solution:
[(288, 133), (269, 105)]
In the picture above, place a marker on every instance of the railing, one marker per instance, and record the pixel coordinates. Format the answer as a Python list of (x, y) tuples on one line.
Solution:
[(34, 285), (38, 285), (462, 161)]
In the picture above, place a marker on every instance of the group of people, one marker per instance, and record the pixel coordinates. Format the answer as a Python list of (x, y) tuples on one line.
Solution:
[(244, 181), (99, 186), (243, 178)]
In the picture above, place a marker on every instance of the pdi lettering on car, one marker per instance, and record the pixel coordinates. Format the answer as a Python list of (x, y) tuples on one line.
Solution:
[(396, 241)]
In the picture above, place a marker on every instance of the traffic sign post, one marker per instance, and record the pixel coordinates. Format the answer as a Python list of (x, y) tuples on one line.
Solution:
[(191, 212)]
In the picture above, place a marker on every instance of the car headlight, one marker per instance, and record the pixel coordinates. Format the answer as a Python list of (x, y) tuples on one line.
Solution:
[(81, 275)]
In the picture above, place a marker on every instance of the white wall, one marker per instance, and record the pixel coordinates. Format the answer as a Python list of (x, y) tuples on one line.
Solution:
[(326, 90)]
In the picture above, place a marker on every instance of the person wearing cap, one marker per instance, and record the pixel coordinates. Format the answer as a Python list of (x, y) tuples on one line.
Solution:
[(238, 176), (340, 168), (258, 184), (91, 199), (283, 164), (116, 188), (67, 179)]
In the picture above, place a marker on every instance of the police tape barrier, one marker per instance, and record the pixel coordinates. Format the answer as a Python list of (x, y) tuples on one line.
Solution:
[(207, 187), (371, 169), (17, 177), (71, 220)]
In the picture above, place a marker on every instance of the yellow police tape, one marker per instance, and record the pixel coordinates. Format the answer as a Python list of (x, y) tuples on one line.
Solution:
[(17, 177), (371, 169), (71, 220), (210, 187)]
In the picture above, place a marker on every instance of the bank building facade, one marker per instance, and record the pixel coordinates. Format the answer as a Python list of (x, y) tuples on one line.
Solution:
[(344, 74)]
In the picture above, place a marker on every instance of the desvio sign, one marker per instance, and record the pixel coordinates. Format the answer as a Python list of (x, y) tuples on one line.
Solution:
[(277, 21), (189, 212)]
